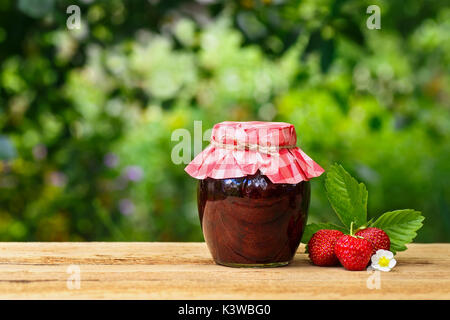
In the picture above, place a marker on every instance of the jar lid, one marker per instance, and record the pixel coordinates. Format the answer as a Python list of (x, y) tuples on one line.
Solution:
[(239, 149)]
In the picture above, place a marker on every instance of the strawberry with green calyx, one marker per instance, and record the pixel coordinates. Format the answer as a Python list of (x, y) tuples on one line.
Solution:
[(378, 238), (348, 199), (321, 247), (353, 251)]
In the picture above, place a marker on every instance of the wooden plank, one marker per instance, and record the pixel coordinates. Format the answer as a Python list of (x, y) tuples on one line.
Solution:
[(186, 271)]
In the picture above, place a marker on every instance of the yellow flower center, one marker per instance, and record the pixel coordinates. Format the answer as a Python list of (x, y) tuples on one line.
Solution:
[(383, 262)]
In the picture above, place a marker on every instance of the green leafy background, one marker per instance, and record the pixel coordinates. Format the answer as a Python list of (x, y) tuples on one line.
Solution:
[(86, 116)]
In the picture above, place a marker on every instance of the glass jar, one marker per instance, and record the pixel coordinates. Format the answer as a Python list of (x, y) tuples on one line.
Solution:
[(254, 193), (251, 221)]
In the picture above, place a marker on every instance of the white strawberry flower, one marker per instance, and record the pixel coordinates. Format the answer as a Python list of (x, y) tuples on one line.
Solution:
[(383, 260)]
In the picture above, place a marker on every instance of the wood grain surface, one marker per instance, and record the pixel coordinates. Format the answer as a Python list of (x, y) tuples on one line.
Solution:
[(186, 271)]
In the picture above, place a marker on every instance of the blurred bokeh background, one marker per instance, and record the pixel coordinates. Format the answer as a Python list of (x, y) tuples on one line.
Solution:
[(86, 115)]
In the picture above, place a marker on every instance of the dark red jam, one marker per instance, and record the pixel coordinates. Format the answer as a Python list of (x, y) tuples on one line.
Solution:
[(251, 221)]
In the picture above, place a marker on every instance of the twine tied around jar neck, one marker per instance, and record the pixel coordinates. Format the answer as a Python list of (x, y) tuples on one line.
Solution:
[(251, 147)]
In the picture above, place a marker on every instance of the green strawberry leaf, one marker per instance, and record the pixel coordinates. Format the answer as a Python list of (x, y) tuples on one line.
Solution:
[(314, 227), (401, 227), (347, 197)]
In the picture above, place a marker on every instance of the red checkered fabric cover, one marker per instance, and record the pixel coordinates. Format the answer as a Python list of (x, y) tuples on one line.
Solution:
[(238, 149)]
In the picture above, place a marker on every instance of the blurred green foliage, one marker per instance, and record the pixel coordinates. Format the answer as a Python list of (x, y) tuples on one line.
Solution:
[(86, 115)]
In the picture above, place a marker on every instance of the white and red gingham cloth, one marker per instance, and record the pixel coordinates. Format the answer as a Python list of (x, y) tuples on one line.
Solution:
[(239, 149)]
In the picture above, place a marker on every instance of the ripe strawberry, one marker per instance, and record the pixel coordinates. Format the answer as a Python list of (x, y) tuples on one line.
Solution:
[(353, 252), (321, 247), (379, 238)]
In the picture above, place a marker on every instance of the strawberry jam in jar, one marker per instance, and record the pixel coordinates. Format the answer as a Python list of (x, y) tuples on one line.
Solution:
[(253, 193)]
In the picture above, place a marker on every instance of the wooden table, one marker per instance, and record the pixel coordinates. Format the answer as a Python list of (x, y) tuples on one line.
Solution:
[(186, 271)]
